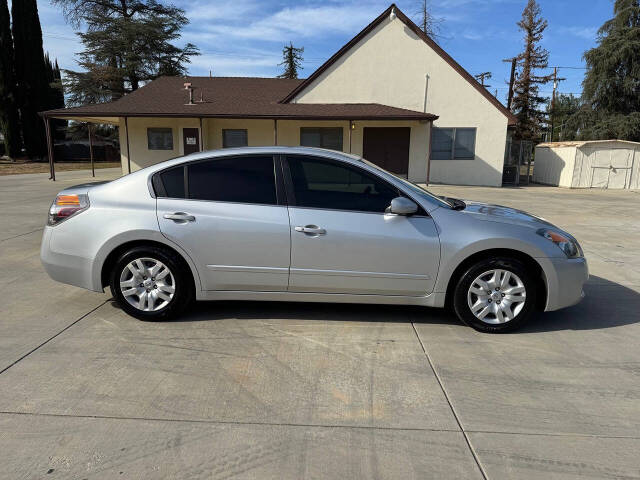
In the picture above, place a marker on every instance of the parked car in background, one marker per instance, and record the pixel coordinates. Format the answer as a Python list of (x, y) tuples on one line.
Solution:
[(305, 224)]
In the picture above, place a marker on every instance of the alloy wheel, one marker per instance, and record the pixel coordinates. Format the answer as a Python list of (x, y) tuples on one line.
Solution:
[(496, 296), (147, 284)]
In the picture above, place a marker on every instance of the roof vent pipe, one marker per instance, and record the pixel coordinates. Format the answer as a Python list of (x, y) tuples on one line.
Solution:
[(187, 86)]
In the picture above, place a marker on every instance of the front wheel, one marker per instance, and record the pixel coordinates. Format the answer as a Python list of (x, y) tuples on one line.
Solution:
[(151, 283), (495, 295)]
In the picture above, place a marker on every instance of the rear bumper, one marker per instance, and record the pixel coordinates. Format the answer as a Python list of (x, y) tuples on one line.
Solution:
[(64, 268), (565, 278)]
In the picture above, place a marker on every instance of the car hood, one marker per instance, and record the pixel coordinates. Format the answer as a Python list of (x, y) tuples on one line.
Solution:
[(501, 214)]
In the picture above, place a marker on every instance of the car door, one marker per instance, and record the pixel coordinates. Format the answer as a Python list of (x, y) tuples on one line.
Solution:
[(342, 241), (229, 215)]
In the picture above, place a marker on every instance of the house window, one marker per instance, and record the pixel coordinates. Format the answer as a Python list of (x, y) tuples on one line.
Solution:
[(453, 144), (322, 137), (160, 138), (234, 138)]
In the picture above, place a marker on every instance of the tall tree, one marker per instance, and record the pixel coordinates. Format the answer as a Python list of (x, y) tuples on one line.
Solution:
[(31, 75), (527, 101), (9, 120), (611, 86), (126, 44), (428, 23), (291, 61), (56, 95), (564, 107)]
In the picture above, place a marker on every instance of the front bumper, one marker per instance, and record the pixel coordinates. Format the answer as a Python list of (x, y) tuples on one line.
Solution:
[(565, 278), (64, 268)]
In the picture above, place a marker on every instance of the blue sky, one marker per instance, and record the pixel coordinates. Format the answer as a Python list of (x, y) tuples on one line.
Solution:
[(245, 37)]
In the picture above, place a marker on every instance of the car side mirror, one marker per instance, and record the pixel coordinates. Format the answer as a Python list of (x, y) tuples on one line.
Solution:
[(402, 206)]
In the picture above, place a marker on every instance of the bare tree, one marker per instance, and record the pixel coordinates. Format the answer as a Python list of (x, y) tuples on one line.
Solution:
[(428, 23), (291, 61)]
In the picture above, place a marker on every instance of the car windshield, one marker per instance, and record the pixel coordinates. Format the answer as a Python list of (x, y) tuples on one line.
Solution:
[(414, 188)]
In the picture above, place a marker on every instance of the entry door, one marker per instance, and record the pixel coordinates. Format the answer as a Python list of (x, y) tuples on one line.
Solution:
[(343, 242), (229, 221), (388, 148), (191, 140)]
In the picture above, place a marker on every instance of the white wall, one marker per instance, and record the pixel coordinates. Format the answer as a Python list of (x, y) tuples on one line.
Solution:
[(554, 165), (389, 66)]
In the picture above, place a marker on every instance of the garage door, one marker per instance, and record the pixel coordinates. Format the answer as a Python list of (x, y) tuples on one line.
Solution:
[(388, 147)]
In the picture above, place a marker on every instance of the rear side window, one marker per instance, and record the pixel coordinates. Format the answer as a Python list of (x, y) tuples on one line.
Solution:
[(324, 184), (172, 183), (249, 179)]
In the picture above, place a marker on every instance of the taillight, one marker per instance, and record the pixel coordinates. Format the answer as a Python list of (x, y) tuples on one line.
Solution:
[(66, 206)]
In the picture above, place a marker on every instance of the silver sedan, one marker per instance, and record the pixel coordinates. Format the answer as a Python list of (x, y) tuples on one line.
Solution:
[(303, 224)]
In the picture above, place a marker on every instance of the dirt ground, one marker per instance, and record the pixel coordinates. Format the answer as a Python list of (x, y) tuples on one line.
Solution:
[(17, 167)]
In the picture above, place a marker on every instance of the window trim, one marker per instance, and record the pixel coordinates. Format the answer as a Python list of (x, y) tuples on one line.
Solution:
[(160, 149), (290, 190), (453, 143), (245, 130), (341, 128), (277, 171)]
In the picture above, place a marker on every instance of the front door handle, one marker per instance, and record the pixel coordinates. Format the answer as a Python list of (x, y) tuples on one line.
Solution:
[(179, 217), (311, 230)]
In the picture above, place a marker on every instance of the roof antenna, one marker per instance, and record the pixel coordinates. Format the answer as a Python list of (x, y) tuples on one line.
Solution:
[(210, 74), (392, 15)]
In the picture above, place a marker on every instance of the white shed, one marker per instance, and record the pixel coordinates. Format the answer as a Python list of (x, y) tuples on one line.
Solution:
[(588, 164)]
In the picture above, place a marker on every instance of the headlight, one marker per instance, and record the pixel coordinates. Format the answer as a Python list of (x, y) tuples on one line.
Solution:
[(66, 206), (567, 244)]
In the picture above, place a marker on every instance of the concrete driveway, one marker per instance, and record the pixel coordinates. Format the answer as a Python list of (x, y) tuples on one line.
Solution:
[(259, 390)]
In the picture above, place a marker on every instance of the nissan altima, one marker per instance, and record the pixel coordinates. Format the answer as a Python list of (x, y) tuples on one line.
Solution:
[(310, 225)]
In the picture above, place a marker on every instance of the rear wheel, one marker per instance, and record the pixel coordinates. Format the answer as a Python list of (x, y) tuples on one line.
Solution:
[(151, 283), (495, 295)]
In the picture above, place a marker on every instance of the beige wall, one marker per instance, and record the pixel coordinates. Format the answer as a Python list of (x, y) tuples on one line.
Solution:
[(389, 66), (554, 166), (141, 156), (261, 133)]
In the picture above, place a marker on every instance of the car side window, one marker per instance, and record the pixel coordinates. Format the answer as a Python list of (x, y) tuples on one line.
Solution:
[(319, 183), (172, 183), (243, 179)]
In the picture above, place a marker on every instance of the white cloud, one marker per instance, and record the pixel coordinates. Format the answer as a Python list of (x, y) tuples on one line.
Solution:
[(588, 33)]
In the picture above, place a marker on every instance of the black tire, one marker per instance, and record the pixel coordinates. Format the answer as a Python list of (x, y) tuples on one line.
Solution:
[(461, 303), (183, 283)]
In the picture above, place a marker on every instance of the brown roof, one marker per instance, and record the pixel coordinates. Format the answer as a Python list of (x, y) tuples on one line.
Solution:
[(512, 120), (231, 97)]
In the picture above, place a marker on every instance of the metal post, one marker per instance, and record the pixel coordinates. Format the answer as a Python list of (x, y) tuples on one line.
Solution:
[(126, 127), (350, 128), (52, 168), (93, 170), (275, 131), (201, 136)]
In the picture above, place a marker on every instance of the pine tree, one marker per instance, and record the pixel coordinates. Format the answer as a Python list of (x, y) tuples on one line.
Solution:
[(527, 101), (427, 22), (291, 61), (564, 107), (611, 87), (127, 43), (9, 120), (31, 75)]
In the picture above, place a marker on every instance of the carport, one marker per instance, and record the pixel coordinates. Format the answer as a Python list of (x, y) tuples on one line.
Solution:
[(613, 164)]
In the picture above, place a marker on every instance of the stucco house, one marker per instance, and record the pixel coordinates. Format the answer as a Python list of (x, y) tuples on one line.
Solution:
[(390, 94)]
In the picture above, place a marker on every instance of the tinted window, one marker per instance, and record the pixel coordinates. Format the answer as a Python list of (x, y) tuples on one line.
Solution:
[(322, 137), (173, 182), (234, 138), (160, 139), (442, 144), (248, 179), (465, 143), (324, 184)]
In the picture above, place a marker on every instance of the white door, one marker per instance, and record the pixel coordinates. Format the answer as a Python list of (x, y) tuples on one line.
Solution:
[(229, 221), (343, 242)]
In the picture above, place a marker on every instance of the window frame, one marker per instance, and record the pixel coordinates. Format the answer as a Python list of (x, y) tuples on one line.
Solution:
[(290, 189), (246, 132), (170, 129), (160, 191), (321, 143), (453, 143)]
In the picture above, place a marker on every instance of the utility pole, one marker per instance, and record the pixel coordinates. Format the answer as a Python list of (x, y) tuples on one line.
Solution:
[(481, 76), (553, 96), (512, 79)]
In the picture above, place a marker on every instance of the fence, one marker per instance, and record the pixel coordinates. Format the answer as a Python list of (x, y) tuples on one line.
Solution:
[(518, 162)]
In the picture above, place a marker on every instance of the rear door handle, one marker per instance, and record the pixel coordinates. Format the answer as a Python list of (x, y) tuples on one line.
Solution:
[(311, 230), (179, 217)]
